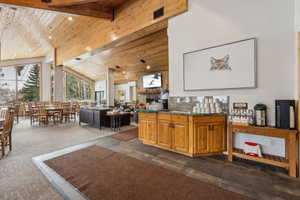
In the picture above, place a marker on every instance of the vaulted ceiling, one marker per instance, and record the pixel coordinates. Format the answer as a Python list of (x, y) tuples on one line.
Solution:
[(24, 32), (28, 32)]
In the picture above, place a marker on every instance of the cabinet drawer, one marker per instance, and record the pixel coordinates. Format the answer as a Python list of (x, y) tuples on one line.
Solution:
[(209, 119), (180, 118), (164, 117), (147, 115)]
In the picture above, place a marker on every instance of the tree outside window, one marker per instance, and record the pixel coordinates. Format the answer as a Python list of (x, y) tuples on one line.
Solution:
[(19, 84), (77, 89)]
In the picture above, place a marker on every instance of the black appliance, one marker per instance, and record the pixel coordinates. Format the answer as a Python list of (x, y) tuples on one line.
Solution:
[(165, 104), (285, 114)]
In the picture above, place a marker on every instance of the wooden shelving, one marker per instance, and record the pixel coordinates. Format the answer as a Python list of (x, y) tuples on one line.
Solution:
[(288, 162), (267, 159)]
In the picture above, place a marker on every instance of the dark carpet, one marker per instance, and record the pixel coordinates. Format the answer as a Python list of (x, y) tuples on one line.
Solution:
[(103, 174), (126, 135)]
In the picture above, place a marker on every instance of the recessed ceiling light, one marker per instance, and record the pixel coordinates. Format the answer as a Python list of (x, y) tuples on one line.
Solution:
[(118, 67), (148, 67), (70, 18), (124, 72), (88, 48), (50, 37)]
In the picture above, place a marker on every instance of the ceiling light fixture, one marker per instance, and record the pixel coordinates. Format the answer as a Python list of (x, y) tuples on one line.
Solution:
[(50, 37), (124, 72), (148, 67), (88, 48), (70, 18)]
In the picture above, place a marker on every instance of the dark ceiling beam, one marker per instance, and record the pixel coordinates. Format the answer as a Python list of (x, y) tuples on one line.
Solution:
[(90, 9), (62, 3)]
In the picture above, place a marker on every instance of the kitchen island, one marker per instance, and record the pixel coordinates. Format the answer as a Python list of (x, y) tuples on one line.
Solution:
[(189, 134), (97, 117)]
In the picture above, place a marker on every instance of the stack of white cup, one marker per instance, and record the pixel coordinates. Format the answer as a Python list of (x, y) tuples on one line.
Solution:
[(208, 106)]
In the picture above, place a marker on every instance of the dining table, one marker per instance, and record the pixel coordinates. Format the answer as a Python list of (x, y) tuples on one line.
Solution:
[(54, 109)]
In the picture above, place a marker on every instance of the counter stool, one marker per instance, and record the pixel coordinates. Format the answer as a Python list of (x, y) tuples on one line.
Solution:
[(115, 121)]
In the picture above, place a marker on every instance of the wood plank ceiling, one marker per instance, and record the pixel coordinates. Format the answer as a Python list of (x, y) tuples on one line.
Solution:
[(127, 56), (28, 32), (24, 32)]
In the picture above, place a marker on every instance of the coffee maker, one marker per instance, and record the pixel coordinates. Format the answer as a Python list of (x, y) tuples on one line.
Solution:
[(260, 115), (165, 99)]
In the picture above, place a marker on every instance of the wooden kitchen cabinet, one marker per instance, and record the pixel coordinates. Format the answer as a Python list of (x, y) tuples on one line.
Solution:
[(186, 134), (200, 138), (164, 134), (148, 128), (217, 138), (180, 134), (209, 134)]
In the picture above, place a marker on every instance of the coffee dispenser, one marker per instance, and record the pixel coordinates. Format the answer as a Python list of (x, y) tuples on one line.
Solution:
[(260, 115)]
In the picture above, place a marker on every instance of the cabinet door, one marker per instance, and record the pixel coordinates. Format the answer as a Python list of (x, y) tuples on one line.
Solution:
[(151, 132), (181, 137), (200, 138), (217, 138), (164, 134), (143, 129)]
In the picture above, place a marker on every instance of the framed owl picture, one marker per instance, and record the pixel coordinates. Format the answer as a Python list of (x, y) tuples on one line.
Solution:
[(226, 66)]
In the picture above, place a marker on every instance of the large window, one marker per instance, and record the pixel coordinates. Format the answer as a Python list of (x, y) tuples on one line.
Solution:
[(19, 84), (77, 89)]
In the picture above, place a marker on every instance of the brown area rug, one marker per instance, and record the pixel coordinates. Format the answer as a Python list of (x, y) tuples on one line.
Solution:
[(103, 174), (126, 135)]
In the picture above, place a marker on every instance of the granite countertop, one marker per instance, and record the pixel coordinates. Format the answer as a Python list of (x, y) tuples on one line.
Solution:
[(94, 108), (180, 113)]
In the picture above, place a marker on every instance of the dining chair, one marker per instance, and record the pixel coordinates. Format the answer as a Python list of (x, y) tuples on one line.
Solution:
[(32, 114), (16, 111), (66, 113), (42, 115), (73, 112), (6, 133)]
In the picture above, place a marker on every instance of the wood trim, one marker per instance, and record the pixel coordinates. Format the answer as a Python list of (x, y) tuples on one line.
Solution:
[(78, 74), (18, 62), (87, 9)]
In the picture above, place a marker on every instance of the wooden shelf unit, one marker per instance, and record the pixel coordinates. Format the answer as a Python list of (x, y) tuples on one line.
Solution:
[(288, 162)]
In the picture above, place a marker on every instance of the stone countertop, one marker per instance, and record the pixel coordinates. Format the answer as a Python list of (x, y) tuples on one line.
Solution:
[(94, 108), (180, 113)]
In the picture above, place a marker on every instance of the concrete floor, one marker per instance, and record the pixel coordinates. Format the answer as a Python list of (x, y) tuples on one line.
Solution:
[(20, 178)]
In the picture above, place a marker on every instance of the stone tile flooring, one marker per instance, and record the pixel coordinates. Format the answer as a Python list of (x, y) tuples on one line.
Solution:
[(20, 179), (247, 178)]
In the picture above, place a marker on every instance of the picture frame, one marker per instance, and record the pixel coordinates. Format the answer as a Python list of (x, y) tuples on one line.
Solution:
[(222, 67)]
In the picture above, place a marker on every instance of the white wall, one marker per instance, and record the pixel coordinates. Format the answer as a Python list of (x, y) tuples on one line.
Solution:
[(45, 82), (110, 87), (126, 88), (101, 86), (214, 22), (59, 84)]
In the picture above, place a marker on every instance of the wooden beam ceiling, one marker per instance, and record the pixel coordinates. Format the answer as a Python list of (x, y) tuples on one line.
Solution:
[(92, 8)]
